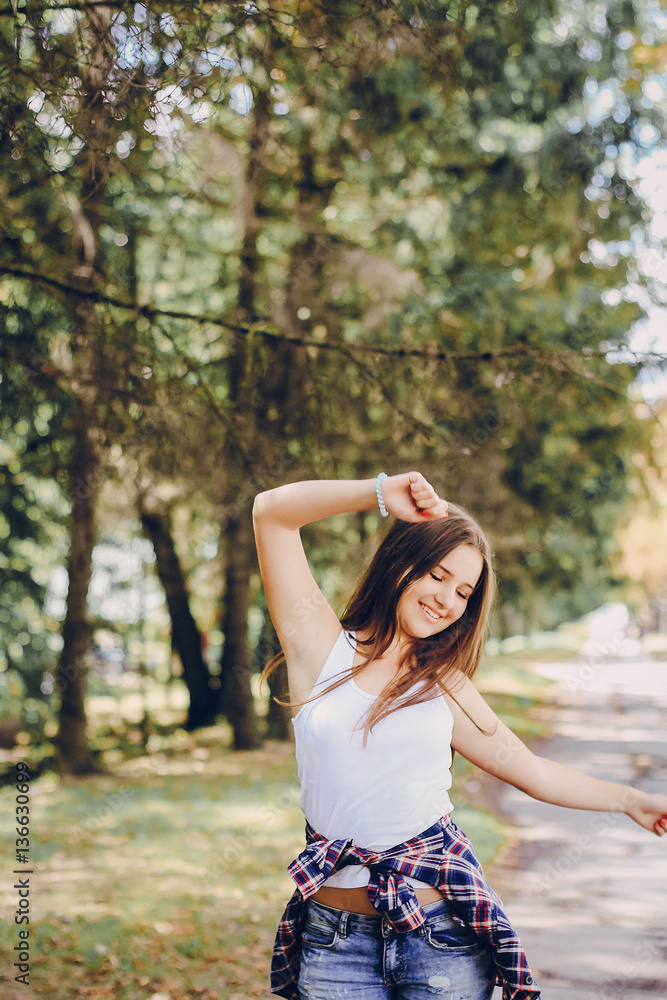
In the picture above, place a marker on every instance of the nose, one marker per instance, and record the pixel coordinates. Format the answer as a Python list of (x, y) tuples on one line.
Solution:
[(444, 597)]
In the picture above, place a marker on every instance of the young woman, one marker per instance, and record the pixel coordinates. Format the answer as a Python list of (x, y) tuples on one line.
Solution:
[(391, 902)]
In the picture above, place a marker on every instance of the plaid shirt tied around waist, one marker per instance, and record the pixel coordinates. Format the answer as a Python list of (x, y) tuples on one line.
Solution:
[(443, 857)]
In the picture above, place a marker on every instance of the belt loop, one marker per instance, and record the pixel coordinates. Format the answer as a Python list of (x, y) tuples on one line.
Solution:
[(342, 924)]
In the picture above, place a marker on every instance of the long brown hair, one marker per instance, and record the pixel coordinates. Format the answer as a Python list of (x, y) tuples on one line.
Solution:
[(408, 552)]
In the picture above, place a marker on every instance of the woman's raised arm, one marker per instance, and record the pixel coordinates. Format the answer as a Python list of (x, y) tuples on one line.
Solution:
[(306, 624)]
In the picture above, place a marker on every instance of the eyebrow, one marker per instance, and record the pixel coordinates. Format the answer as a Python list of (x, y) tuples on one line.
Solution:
[(445, 570)]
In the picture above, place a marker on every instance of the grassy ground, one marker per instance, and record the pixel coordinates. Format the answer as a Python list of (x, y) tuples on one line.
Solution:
[(162, 880), (166, 880)]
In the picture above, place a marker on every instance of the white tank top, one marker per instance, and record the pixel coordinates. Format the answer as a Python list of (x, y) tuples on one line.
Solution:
[(381, 794)]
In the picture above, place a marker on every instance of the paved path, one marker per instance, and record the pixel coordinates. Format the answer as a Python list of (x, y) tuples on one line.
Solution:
[(587, 891)]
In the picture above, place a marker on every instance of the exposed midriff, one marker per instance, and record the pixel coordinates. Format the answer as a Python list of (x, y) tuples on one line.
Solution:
[(356, 899)]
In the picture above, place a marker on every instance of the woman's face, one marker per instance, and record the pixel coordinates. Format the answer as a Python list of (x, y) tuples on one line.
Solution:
[(435, 601)]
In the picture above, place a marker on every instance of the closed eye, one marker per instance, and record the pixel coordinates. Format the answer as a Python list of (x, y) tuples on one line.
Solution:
[(439, 580)]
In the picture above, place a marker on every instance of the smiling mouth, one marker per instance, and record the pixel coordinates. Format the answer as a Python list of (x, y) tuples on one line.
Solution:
[(430, 614)]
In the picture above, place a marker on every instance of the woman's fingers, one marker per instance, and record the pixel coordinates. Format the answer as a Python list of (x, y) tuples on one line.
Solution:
[(410, 497), (425, 497), (422, 492), (650, 811), (660, 825)]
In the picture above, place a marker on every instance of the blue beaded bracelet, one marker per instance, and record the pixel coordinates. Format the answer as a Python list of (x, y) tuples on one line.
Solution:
[(378, 493)]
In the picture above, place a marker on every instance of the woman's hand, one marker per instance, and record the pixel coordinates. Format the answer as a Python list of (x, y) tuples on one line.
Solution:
[(651, 813), (410, 497)]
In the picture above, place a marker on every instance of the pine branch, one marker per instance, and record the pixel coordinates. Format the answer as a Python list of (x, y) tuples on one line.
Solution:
[(83, 5), (552, 357)]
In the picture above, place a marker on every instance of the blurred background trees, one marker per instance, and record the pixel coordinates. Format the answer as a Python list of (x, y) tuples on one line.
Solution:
[(243, 244)]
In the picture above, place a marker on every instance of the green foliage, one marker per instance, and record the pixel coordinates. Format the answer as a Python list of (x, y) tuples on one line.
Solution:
[(31, 517), (433, 177)]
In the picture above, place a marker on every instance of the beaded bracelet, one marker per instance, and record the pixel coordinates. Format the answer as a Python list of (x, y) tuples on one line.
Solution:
[(378, 493)]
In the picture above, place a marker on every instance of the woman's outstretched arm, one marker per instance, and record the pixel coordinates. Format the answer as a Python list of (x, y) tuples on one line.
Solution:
[(500, 752)]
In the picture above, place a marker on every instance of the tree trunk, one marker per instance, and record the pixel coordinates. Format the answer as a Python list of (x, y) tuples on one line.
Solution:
[(186, 637), (279, 726), (87, 351), (236, 669), (73, 753)]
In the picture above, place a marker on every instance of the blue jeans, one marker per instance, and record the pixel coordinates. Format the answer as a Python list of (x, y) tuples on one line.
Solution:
[(356, 957)]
